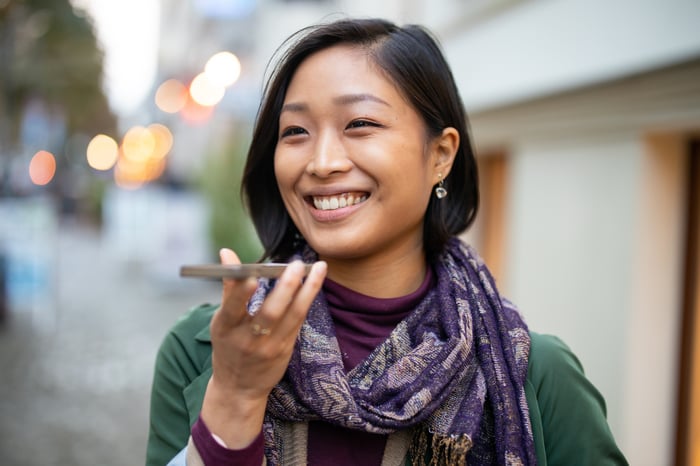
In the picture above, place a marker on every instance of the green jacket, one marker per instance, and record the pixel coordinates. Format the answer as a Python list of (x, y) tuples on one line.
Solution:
[(566, 411)]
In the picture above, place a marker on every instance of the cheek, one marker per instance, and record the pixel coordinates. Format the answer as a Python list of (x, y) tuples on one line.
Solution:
[(286, 176), (280, 172), (414, 168)]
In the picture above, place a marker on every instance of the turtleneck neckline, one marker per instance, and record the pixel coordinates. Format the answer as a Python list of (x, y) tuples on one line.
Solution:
[(363, 322)]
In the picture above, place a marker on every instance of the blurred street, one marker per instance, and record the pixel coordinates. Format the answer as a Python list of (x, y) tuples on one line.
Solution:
[(75, 381)]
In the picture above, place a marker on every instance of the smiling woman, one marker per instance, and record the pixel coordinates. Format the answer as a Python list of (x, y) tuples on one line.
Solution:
[(397, 348), (358, 140)]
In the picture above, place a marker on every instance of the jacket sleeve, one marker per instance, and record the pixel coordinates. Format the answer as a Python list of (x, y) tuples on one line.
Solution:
[(571, 410), (178, 363)]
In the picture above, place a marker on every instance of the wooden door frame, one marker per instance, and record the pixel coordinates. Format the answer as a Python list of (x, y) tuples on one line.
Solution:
[(688, 406)]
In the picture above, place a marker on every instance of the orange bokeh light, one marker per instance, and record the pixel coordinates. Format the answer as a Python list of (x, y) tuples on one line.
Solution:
[(193, 113), (163, 140), (138, 144), (42, 168), (142, 156), (132, 174), (171, 96)]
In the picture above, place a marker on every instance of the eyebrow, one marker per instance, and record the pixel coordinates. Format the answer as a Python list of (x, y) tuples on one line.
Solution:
[(347, 99)]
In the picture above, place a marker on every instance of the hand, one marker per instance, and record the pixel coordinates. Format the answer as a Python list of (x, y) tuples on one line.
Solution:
[(251, 353)]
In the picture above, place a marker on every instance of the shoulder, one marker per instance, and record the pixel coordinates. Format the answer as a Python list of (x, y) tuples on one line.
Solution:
[(182, 362), (557, 376), (188, 343), (194, 324), (549, 355), (568, 408)]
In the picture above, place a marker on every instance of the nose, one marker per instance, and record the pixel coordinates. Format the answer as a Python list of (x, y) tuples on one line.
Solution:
[(329, 156)]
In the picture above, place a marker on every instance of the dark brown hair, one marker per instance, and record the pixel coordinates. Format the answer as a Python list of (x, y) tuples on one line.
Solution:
[(411, 58)]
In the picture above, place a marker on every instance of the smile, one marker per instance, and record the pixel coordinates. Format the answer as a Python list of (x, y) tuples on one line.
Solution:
[(338, 201)]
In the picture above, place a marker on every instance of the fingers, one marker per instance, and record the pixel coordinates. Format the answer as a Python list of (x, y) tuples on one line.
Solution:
[(283, 310), (228, 257), (301, 303), (286, 306), (235, 293), (312, 285)]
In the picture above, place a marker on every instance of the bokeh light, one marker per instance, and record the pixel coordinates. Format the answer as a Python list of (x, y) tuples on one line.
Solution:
[(223, 69), (206, 92), (102, 152), (138, 144), (171, 96), (42, 168), (142, 155), (163, 140), (131, 174), (195, 114)]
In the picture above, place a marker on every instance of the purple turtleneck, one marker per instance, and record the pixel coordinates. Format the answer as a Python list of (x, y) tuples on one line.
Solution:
[(361, 324)]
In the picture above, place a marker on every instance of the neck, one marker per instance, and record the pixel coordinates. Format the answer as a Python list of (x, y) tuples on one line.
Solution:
[(380, 277)]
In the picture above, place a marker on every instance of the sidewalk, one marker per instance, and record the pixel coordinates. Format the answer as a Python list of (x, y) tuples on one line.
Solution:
[(75, 388)]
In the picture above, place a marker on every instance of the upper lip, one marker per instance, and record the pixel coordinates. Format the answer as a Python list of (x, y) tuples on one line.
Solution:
[(333, 191)]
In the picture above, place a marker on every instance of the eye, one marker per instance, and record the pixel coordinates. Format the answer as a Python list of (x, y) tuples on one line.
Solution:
[(362, 124), (292, 131)]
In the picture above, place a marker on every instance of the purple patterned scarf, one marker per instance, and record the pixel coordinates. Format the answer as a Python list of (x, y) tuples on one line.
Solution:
[(453, 371)]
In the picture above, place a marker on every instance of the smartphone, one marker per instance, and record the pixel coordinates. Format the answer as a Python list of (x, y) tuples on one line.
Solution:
[(237, 271)]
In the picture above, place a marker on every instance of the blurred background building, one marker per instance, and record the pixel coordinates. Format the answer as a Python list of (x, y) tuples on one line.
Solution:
[(586, 120)]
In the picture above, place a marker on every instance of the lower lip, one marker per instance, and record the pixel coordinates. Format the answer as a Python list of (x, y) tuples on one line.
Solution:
[(334, 215)]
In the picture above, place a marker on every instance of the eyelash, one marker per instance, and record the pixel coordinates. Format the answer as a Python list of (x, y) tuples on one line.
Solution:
[(293, 131), (355, 124), (362, 124)]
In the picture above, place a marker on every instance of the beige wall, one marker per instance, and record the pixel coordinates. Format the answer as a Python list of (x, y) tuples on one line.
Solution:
[(594, 238), (595, 258)]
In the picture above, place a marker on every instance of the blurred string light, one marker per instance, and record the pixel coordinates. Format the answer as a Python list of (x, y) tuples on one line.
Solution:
[(163, 139), (195, 113), (138, 144), (142, 155), (102, 152), (206, 89), (223, 68), (171, 96), (206, 92), (42, 168)]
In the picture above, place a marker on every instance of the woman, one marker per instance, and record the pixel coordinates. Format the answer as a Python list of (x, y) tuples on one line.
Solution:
[(396, 348)]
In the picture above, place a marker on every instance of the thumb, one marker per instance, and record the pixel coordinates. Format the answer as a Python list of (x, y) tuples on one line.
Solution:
[(228, 257)]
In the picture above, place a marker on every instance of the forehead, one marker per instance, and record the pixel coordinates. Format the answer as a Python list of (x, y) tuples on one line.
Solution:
[(342, 68)]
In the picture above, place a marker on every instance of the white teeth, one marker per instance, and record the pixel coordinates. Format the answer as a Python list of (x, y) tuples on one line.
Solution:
[(337, 202)]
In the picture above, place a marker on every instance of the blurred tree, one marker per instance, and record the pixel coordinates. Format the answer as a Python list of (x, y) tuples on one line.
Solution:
[(230, 226), (49, 54)]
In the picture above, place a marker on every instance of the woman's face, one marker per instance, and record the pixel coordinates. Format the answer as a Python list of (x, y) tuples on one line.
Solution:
[(353, 162)]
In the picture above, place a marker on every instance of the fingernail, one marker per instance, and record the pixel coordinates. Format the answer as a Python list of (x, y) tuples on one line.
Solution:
[(320, 266)]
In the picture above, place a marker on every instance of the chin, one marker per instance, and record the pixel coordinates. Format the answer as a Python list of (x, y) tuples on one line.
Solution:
[(338, 251)]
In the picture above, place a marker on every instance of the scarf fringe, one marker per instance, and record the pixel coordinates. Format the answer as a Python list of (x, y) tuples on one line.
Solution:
[(444, 449)]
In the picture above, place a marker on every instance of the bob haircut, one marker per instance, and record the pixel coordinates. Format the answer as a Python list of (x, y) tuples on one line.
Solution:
[(409, 57)]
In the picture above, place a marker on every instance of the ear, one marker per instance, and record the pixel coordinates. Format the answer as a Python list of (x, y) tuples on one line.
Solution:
[(444, 150)]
